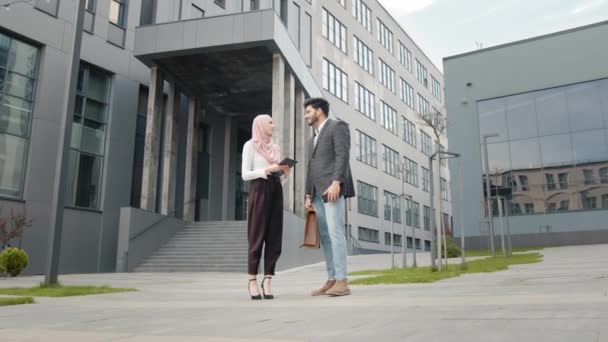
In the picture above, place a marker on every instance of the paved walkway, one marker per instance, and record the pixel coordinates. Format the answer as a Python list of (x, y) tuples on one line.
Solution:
[(564, 298)]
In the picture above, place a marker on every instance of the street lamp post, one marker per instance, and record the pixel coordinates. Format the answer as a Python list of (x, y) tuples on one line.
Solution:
[(392, 232), (461, 212), (488, 190), (61, 165)]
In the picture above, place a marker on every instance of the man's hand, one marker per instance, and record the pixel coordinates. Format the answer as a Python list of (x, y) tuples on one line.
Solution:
[(308, 203), (333, 192)]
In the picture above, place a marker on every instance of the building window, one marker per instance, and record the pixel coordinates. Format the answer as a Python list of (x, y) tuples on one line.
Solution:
[(367, 199), (367, 150), (435, 88), (254, 5), (363, 14), (427, 245), (118, 12), (387, 76), (604, 175), (365, 101), (426, 178), (407, 93), (408, 133), (411, 172), (18, 74), (589, 177), (334, 31), (550, 182), (415, 210), (139, 146), (422, 74), (368, 235), (197, 12), (588, 202), (444, 189), (90, 6), (426, 143), (515, 209), (363, 55), (529, 207), (564, 205), (88, 138), (605, 201), (523, 182), (221, 3), (405, 57), (423, 105), (387, 239), (427, 217), (389, 118), (563, 180), (392, 206), (335, 80), (385, 36), (147, 12), (48, 6), (390, 160)]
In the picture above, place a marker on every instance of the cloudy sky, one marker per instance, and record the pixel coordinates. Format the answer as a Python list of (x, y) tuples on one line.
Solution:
[(448, 27)]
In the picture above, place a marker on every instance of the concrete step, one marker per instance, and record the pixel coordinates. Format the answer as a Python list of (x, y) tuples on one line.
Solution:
[(195, 267), (195, 262)]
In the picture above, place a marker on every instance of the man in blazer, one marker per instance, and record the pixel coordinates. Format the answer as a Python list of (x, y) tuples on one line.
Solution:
[(328, 183)]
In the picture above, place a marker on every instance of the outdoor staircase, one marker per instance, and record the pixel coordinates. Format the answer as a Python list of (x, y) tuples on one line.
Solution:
[(202, 247)]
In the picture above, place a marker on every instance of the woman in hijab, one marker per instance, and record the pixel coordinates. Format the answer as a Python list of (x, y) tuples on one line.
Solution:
[(261, 157)]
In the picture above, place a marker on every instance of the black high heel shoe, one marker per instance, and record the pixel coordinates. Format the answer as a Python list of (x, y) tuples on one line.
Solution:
[(256, 297), (266, 296)]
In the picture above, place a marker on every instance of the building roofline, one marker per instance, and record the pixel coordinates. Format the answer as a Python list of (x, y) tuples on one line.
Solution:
[(527, 40), (407, 35)]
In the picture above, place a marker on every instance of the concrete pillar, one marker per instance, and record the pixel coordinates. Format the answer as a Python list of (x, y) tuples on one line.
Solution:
[(191, 161), (151, 150), (167, 199), (289, 134), (227, 179), (302, 134), (279, 104)]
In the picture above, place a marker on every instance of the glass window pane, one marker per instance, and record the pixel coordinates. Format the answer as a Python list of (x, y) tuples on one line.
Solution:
[(521, 116), (15, 115), (71, 180), (498, 156), (23, 58), (552, 111), (589, 146), (584, 106), (76, 135), (88, 181), (12, 161), (97, 86), (116, 13), (92, 140), (492, 119), (95, 110), (19, 86), (5, 42), (603, 90), (556, 150), (525, 154)]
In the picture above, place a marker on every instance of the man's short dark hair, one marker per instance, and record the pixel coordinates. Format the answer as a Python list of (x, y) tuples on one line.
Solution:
[(318, 103)]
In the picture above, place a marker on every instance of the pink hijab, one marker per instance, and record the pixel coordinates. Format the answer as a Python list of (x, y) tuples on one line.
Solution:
[(263, 143)]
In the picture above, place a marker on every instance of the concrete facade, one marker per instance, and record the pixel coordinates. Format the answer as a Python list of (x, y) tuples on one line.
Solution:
[(152, 110), (544, 71)]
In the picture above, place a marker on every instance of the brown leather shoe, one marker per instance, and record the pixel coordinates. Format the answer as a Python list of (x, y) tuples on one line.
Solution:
[(321, 291), (339, 289)]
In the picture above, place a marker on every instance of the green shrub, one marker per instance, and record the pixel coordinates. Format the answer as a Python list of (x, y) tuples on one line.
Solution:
[(13, 261), (453, 249)]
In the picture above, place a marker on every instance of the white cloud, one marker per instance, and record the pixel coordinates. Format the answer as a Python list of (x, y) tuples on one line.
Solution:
[(400, 8), (588, 6)]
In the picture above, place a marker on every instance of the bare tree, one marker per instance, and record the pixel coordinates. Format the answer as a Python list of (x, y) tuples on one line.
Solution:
[(12, 227), (438, 123)]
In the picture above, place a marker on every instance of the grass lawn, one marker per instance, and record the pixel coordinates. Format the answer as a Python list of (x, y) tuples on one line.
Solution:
[(477, 253), (4, 301), (61, 291), (427, 275)]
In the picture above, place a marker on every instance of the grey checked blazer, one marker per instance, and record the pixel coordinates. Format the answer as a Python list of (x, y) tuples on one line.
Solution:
[(330, 160)]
